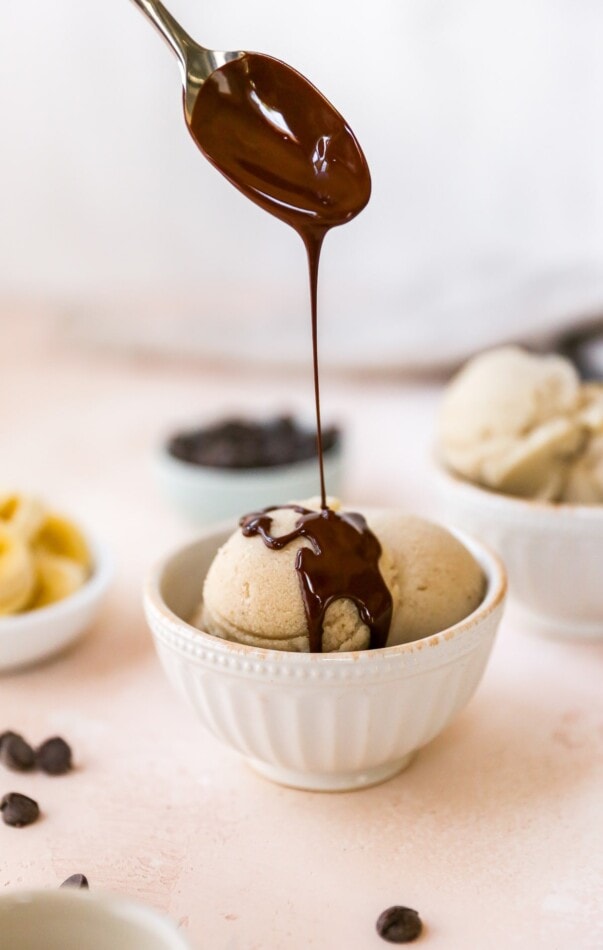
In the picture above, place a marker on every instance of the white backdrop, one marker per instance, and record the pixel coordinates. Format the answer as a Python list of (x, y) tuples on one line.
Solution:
[(481, 119)]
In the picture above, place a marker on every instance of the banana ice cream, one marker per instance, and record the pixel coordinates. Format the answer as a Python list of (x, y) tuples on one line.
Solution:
[(43, 556), (252, 594), (438, 580), (525, 425)]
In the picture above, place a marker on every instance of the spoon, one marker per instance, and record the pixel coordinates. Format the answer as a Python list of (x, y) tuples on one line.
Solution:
[(276, 138), (196, 62), (269, 131)]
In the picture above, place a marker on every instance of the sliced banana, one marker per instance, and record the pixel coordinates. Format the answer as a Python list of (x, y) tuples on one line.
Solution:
[(56, 578), (44, 557), (17, 572), (23, 514), (61, 537)]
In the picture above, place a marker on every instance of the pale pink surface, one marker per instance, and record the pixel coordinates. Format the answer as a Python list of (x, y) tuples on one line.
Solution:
[(494, 834)]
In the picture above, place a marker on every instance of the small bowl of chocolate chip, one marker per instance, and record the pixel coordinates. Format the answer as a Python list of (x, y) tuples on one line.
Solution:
[(216, 471)]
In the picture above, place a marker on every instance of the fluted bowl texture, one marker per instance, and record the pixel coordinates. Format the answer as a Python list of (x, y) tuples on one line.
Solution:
[(553, 552), (318, 721)]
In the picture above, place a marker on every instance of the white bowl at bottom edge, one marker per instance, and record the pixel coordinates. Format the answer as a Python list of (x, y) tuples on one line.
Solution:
[(325, 722), (81, 920)]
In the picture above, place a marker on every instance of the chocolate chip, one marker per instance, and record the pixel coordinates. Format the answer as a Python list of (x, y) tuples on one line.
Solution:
[(16, 753), (54, 756), (241, 443), (78, 881), (5, 735), (399, 925), (18, 810)]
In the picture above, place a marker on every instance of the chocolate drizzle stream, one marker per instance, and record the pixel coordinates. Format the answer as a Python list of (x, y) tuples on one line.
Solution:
[(343, 561), (280, 142)]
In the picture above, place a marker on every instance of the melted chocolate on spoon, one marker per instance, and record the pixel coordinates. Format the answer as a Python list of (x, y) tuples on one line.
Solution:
[(281, 143), (343, 561)]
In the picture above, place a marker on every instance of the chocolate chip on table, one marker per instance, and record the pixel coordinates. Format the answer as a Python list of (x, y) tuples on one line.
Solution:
[(77, 881), (54, 756), (18, 810), (15, 752), (399, 925), (8, 734)]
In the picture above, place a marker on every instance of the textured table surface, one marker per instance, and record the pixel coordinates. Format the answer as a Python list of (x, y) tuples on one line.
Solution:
[(495, 832)]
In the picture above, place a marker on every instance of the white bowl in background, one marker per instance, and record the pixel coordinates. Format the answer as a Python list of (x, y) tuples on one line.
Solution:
[(204, 495), (553, 552), (34, 635), (81, 920), (324, 722)]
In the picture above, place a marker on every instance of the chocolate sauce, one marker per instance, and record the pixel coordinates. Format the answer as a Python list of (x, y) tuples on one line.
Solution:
[(343, 561), (278, 140), (281, 143)]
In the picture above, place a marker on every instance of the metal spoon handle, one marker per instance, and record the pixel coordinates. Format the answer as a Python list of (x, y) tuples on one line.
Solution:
[(170, 29), (196, 61)]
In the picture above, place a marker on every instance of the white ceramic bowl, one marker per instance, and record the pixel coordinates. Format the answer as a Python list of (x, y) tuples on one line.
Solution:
[(204, 495), (324, 722), (553, 552), (82, 920), (34, 635)]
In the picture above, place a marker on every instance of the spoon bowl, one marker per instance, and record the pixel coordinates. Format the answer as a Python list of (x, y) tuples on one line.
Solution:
[(269, 131)]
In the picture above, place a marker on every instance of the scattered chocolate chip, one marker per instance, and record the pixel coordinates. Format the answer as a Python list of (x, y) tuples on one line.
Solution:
[(399, 925), (240, 443), (78, 881), (18, 810), (5, 735), (54, 756), (15, 752)]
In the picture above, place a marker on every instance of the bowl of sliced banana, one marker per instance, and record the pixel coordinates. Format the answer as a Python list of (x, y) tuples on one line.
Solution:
[(53, 577)]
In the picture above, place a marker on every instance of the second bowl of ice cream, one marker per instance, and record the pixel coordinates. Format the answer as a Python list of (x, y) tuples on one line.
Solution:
[(521, 465), (347, 717)]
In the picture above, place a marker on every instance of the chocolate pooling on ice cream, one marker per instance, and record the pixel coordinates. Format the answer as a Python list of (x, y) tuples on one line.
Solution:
[(342, 561)]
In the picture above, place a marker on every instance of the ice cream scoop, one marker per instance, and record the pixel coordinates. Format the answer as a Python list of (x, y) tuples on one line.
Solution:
[(252, 594), (439, 582), (584, 485), (514, 421)]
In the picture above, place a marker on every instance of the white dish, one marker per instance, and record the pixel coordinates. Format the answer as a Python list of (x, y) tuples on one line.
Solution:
[(553, 552), (34, 635), (80, 920), (324, 722), (204, 495)]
